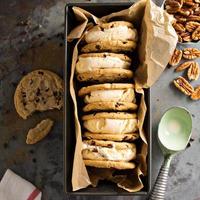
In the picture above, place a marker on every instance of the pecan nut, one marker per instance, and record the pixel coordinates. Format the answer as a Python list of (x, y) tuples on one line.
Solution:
[(179, 27), (180, 18), (196, 94), (191, 53), (184, 86), (189, 2), (193, 71), (185, 11), (183, 66), (173, 6), (186, 37), (196, 34), (193, 18), (176, 57), (191, 26)]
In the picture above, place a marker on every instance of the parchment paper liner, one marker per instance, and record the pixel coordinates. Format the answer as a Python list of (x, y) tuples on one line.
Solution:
[(157, 42)]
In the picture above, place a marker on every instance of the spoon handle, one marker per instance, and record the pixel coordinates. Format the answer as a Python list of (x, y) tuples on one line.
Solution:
[(158, 191)]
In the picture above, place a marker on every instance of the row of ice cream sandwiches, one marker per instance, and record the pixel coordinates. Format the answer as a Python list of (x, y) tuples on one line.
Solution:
[(111, 127)]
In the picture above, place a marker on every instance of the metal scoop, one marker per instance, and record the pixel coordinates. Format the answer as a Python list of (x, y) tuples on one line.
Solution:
[(174, 132)]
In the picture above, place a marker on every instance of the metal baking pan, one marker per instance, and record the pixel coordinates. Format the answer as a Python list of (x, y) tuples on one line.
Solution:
[(104, 188)]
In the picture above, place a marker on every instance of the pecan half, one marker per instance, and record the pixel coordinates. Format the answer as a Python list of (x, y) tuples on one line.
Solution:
[(193, 71), (191, 53), (179, 27), (191, 26), (180, 18), (176, 57), (193, 18), (196, 34), (184, 86), (186, 36), (185, 11), (189, 2), (183, 66), (173, 6), (196, 94)]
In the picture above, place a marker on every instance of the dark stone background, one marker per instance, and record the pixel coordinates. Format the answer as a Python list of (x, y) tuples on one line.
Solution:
[(32, 37)]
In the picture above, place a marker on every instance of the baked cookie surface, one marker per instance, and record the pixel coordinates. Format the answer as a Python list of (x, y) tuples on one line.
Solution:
[(110, 164), (112, 137), (40, 90), (109, 106), (105, 75), (109, 46), (40, 131)]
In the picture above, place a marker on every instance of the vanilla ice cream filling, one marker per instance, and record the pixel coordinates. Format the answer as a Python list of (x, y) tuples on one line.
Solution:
[(108, 153), (122, 33), (121, 95), (111, 126), (86, 64)]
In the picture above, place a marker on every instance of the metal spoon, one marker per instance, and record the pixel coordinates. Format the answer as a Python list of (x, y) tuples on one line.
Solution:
[(174, 132)]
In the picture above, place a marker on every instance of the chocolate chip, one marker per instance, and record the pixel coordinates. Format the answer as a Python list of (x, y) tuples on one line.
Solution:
[(24, 103), (118, 104), (124, 42), (110, 146), (93, 143), (37, 100), (55, 93), (125, 138), (104, 55), (23, 94), (38, 92), (34, 160), (47, 90), (94, 150), (40, 72), (98, 47)]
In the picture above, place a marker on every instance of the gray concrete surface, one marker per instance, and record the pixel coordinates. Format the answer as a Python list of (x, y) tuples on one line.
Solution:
[(40, 43)]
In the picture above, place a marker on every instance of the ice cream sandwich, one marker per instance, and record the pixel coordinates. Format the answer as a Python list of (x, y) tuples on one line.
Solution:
[(111, 122), (109, 154), (103, 67), (114, 36), (109, 96)]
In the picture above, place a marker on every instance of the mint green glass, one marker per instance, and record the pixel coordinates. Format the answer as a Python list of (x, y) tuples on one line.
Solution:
[(174, 132)]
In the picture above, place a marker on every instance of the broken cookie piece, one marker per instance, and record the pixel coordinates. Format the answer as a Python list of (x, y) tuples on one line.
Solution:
[(40, 131)]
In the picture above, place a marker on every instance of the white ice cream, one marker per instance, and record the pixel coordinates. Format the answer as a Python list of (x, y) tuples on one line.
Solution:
[(112, 126), (122, 95), (122, 33), (106, 153), (86, 64)]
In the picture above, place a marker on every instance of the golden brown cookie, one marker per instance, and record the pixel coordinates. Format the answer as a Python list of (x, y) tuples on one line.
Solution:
[(105, 75), (112, 137), (40, 90), (109, 106), (110, 164), (109, 46), (40, 131)]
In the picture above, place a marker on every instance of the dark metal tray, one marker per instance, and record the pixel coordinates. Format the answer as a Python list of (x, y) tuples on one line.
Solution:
[(104, 188)]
